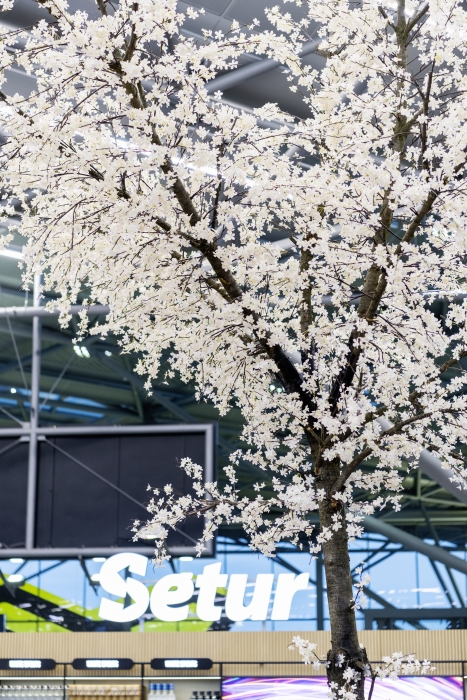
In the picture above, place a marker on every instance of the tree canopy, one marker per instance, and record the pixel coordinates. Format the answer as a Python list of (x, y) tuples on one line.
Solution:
[(138, 187)]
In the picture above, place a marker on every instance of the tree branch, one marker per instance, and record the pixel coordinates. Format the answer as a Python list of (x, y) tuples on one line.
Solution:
[(288, 373), (101, 4), (367, 452), (349, 469), (416, 17)]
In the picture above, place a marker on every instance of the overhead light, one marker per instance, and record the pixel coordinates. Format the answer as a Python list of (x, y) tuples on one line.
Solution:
[(9, 253), (96, 578), (15, 578), (12, 390), (81, 351), (186, 558), (152, 532), (16, 560), (99, 559)]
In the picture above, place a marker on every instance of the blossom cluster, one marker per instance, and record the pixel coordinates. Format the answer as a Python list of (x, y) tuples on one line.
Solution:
[(392, 668)]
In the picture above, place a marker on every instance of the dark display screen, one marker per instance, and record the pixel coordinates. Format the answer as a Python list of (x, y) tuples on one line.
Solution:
[(77, 509)]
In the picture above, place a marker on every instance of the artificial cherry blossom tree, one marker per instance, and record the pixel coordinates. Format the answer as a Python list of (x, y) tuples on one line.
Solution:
[(138, 188)]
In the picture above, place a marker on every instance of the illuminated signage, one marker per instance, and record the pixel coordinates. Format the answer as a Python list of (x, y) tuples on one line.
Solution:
[(27, 664), (200, 664), (170, 597), (98, 664)]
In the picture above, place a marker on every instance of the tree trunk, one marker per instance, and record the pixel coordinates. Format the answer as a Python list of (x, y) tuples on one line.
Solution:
[(345, 650)]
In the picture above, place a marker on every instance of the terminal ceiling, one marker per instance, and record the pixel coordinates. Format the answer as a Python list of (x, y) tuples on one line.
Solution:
[(94, 384)]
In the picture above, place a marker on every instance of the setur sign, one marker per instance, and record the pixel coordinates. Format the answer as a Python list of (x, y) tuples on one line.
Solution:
[(170, 597)]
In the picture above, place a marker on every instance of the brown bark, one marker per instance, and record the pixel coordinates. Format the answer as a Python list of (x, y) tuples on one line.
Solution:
[(345, 650)]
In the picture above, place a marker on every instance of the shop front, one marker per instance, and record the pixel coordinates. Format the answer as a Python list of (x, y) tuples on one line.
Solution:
[(188, 666)]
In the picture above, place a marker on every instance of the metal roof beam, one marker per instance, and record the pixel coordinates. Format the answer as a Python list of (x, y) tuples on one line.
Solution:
[(252, 70), (139, 383), (368, 592), (434, 534), (25, 331), (408, 614), (415, 544), (73, 410), (7, 366), (433, 467), (34, 311), (83, 379)]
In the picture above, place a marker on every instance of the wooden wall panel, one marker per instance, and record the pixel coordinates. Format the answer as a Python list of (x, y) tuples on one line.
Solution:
[(230, 648)]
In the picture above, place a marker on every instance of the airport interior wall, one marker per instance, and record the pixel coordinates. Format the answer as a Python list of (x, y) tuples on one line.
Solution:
[(266, 653)]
